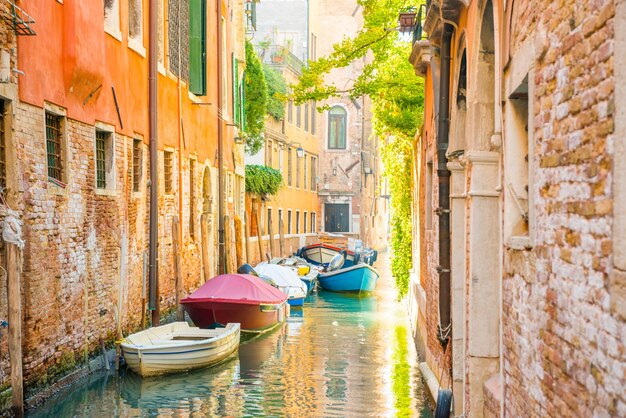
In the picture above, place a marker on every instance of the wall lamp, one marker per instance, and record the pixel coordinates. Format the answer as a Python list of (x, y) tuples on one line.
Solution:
[(299, 149)]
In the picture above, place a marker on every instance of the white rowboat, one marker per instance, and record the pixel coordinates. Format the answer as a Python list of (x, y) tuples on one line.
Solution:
[(177, 347)]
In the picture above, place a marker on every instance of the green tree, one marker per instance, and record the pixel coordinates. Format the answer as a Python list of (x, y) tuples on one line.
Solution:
[(397, 107), (256, 100), (276, 92)]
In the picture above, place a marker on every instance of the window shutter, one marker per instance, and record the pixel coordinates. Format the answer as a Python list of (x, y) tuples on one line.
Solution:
[(235, 65), (197, 56), (243, 102)]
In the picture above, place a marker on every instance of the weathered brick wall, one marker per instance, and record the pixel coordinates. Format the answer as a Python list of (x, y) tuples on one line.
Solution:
[(71, 271), (563, 347)]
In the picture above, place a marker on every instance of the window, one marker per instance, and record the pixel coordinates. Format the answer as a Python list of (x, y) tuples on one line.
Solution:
[(313, 173), (167, 171), (197, 49), (313, 225), (337, 128), (54, 150), (297, 222), (268, 156), (429, 195), (289, 221), (289, 166), (313, 51), (3, 154), (299, 116), (269, 220), (177, 36), (313, 117), (297, 172), (280, 160), (137, 150), (306, 116), (112, 17), (135, 21), (192, 198), (290, 111), (280, 219), (304, 223), (304, 171), (105, 178)]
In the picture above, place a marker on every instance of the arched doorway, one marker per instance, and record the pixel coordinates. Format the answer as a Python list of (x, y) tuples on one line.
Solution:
[(207, 225)]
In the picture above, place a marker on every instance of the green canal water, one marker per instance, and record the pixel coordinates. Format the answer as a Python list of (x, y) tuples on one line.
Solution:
[(341, 355)]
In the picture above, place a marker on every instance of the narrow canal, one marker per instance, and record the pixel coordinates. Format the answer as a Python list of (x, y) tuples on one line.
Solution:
[(342, 355)]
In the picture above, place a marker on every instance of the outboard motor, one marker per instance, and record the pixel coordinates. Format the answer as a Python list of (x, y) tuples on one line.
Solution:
[(337, 262), (247, 269)]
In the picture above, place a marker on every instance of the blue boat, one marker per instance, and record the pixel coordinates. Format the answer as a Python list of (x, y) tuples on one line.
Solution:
[(359, 278), (321, 254)]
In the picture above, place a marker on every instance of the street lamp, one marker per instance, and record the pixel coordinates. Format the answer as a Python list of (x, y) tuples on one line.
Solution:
[(299, 149)]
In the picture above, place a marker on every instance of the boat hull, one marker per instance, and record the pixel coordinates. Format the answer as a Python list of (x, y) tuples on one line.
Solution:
[(252, 317), (310, 283), (321, 254), (359, 278), (296, 301), (176, 358)]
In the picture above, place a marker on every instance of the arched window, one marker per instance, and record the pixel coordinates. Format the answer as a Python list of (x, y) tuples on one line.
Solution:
[(337, 128)]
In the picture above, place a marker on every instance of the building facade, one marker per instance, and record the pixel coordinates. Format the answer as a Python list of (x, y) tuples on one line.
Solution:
[(523, 307), (75, 143)]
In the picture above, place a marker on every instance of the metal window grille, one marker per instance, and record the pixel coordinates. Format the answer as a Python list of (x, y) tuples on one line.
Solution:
[(3, 166), (136, 164), (101, 174), (289, 222), (167, 171), (53, 146), (178, 37)]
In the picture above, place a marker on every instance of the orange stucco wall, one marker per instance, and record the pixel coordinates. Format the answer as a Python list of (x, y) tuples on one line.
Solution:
[(72, 55)]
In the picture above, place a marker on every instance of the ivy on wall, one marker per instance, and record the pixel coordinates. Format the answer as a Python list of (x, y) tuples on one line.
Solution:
[(256, 100), (262, 180), (276, 93)]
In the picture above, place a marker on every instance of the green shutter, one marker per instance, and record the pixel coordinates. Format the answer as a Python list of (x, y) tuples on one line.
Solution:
[(235, 67), (243, 102), (197, 54)]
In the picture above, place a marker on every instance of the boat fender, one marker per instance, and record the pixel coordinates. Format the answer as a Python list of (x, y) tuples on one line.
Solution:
[(444, 403), (247, 269), (337, 262)]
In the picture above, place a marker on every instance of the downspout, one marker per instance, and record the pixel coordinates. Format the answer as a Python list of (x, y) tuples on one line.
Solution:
[(153, 302), (180, 148), (220, 140), (443, 175)]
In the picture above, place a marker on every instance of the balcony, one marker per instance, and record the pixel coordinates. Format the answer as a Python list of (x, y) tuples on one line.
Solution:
[(420, 55), (450, 9)]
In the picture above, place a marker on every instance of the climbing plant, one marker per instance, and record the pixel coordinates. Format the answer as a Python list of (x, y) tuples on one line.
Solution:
[(397, 107), (262, 180), (276, 92), (256, 100)]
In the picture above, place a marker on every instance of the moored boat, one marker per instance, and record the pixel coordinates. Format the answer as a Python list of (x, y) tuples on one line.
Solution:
[(359, 278), (306, 272), (177, 347), (285, 279), (321, 254), (241, 298)]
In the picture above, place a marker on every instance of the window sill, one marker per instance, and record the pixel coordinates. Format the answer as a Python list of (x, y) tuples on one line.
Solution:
[(55, 190), (106, 192), (114, 32), (161, 69), (521, 243), (136, 45)]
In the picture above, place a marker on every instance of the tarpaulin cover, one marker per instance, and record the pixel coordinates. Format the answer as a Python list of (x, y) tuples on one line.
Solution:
[(236, 288), (284, 278)]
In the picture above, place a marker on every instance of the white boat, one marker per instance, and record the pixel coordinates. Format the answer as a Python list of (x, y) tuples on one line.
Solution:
[(285, 279), (177, 347)]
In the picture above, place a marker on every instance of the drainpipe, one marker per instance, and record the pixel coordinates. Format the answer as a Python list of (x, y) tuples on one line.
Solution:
[(443, 175), (220, 144), (153, 302)]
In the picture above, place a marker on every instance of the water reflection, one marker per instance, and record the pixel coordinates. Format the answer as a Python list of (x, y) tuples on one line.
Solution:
[(342, 355)]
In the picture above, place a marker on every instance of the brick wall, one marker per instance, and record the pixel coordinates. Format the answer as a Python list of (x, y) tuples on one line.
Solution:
[(563, 347), (74, 238)]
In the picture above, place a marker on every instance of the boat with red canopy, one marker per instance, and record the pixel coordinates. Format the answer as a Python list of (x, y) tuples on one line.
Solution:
[(241, 298)]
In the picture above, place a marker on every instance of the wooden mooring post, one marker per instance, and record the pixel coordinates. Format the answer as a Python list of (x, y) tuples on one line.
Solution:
[(180, 314), (270, 232), (227, 245), (238, 242), (246, 227), (259, 234), (13, 257)]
